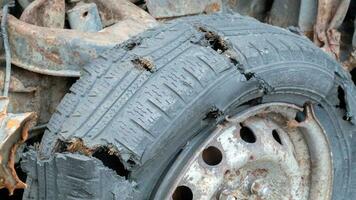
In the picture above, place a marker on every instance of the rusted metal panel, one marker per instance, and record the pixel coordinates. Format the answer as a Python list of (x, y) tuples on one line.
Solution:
[(284, 13), (174, 8), (85, 17), (307, 16), (33, 92), (253, 8), (13, 132), (45, 13), (63, 52), (331, 14)]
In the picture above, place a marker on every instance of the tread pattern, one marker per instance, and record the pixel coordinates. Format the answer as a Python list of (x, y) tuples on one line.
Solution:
[(57, 179)]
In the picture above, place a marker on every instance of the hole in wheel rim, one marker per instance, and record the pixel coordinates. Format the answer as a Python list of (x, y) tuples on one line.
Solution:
[(182, 193), (276, 136), (247, 134), (212, 156)]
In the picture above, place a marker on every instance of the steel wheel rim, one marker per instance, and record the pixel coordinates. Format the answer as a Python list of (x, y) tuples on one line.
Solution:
[(270, 151)]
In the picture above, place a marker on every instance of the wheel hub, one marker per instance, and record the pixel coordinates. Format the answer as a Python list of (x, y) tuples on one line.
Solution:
[(272, 151)]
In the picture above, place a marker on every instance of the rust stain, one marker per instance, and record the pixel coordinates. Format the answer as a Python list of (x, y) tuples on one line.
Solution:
[(213, 7), (53, 56), (13, 132), (77, 145), (12, 123), (292, 124)]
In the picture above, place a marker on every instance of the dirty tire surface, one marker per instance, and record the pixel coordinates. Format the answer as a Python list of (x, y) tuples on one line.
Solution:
[(146, 98)]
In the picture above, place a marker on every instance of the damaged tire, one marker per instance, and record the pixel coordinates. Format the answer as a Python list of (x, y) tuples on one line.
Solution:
[(158, 96)]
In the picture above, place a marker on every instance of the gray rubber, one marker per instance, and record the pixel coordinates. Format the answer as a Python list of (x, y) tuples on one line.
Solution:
[(89, 179), (146, 98)]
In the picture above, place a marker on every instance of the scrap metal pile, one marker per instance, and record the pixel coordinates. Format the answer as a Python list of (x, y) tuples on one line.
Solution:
[(48, 42)]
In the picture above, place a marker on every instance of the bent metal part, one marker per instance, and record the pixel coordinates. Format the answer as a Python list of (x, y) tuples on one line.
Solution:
[(13, 132)]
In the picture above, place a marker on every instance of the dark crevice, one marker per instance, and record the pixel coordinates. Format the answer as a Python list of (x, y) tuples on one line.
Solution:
[(130, 45), (249, 75), (213, 113), (143, 63), (276, 136), (112, 161), (341, 97), (107, 154), (253, 102), (61, 146), (264, 85), (353, 75), (18, 193), (269, 5), (342, 103), (213, 40)]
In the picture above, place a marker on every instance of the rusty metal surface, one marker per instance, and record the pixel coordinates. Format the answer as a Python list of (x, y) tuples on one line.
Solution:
[(63, 52), (253, 8), (284, 13), (24, 3), (331, 14), (13, 132), (85, 17), (296, 164), (173, 8), (45, 13), (33, 92)]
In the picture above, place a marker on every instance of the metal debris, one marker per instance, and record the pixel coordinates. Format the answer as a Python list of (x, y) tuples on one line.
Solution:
[(33, 92), (331, 14), (85, 17), (63, 52), (45, 13), (253, 8), (13, 132), (284, 13), (24, 3), (307, 17), (5, 37), (173, 8)]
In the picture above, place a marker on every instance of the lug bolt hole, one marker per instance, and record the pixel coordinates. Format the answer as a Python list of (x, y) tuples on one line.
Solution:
[(276, 136), (182, 193), (247, 135), (212, 156)]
